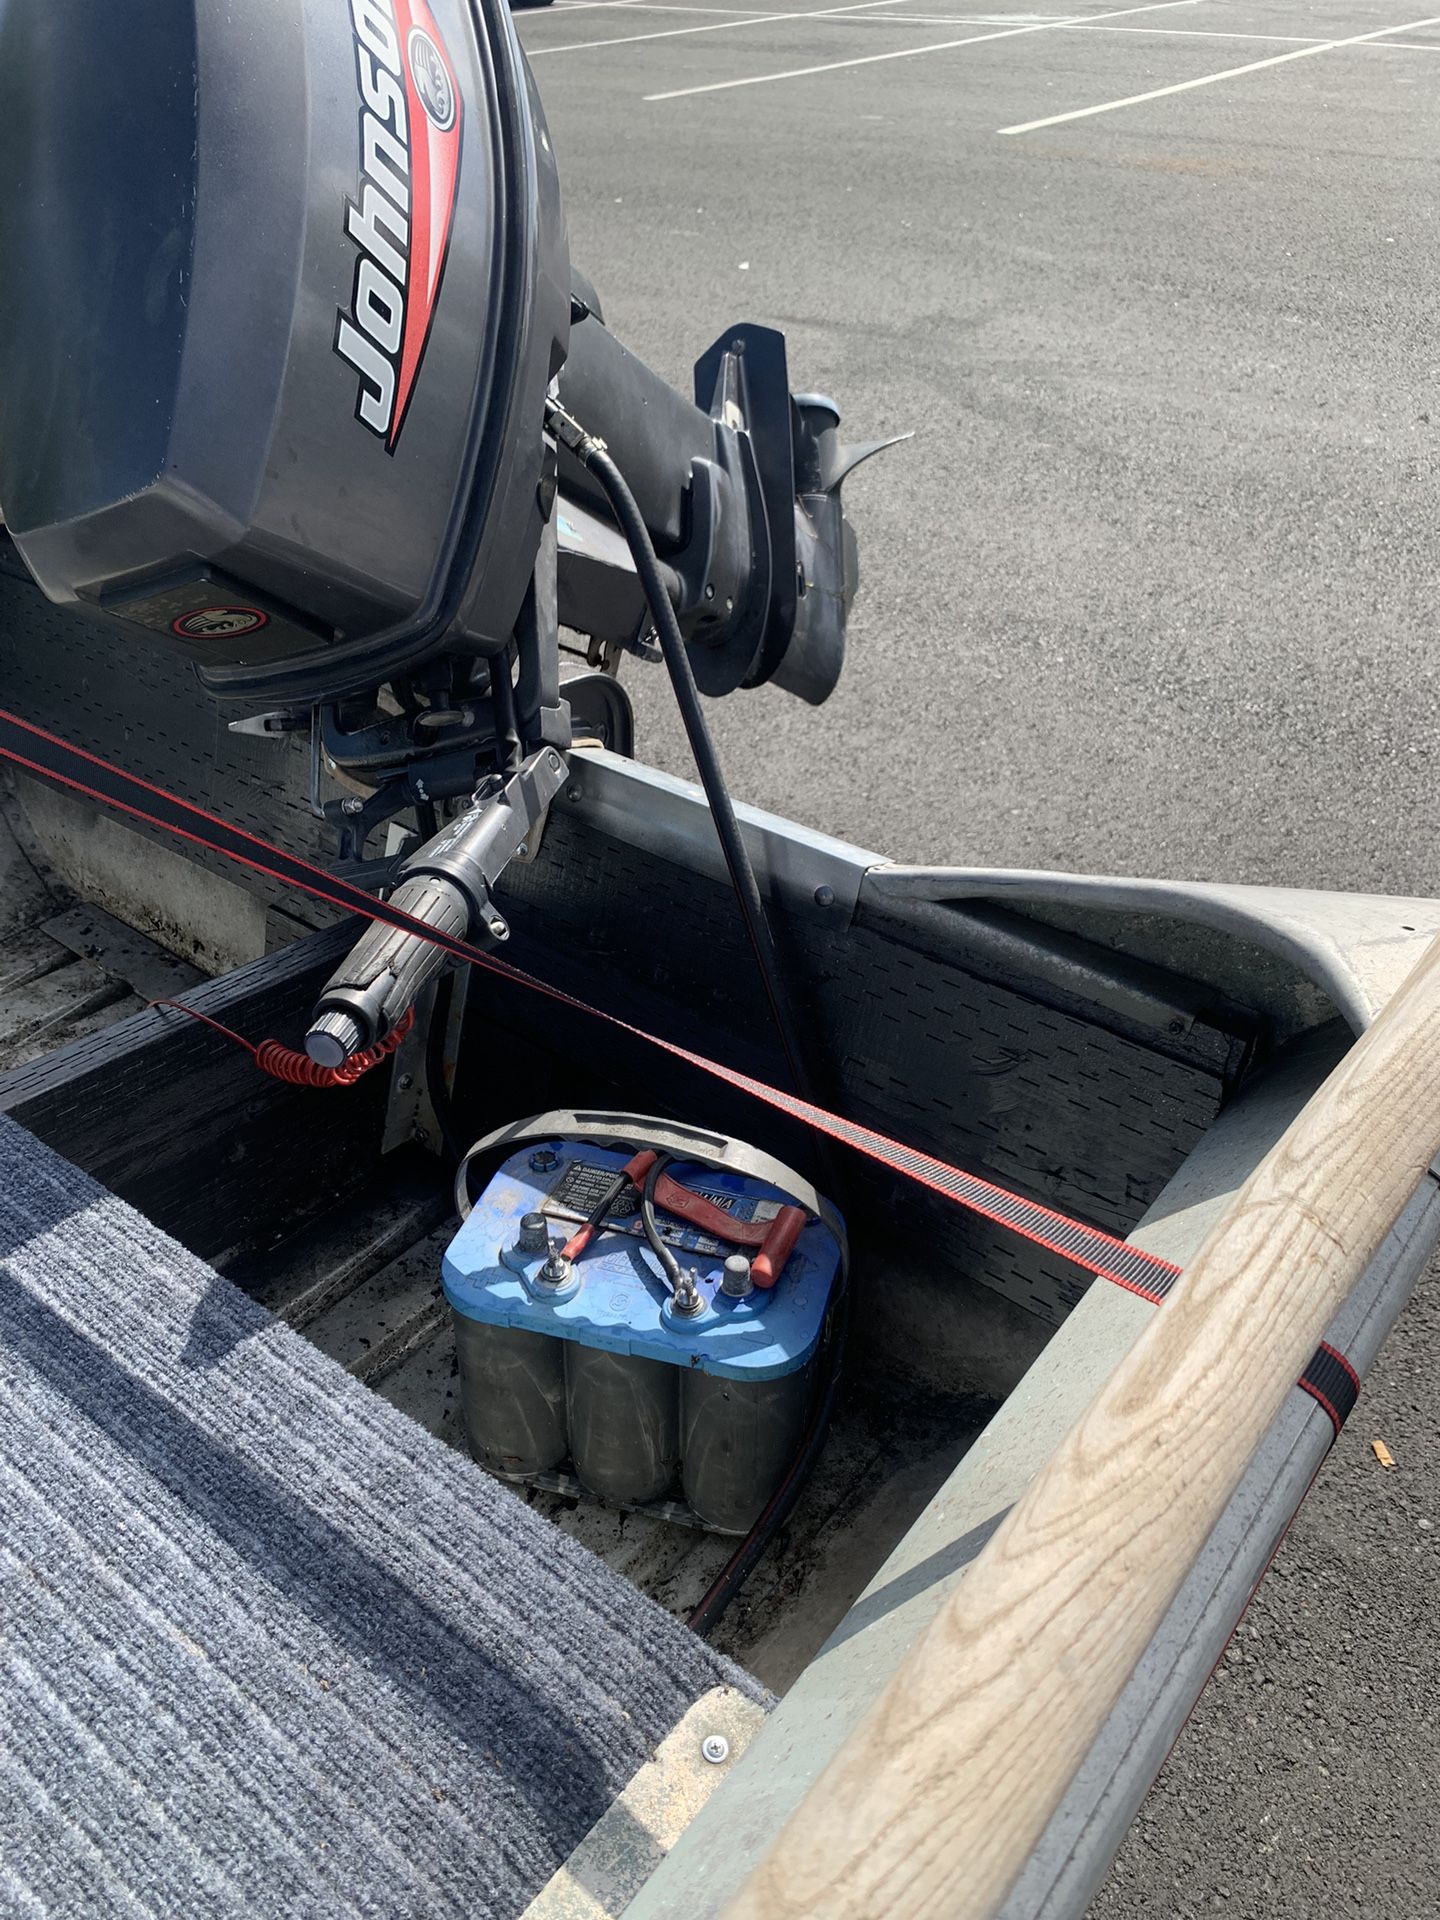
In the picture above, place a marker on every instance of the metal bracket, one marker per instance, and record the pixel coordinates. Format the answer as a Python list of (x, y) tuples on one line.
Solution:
[(806, 873), (409, 1112)]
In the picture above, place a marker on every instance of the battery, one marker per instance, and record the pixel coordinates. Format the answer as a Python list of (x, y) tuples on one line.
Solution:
[(601, 1370)]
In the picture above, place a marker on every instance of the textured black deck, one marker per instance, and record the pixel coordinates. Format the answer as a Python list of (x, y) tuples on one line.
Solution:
[(137, 704), (923, 1027)]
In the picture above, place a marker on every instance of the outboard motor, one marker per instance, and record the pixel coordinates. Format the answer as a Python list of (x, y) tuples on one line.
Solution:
[(296, 380)]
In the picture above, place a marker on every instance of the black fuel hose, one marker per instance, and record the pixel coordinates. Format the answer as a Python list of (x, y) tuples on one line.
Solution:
[(592, 455)]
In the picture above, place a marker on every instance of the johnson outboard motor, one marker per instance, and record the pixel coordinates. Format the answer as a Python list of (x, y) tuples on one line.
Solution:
[(295, 379)]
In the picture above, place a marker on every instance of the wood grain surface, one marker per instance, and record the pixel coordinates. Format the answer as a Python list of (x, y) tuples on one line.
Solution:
[(939, 1796)]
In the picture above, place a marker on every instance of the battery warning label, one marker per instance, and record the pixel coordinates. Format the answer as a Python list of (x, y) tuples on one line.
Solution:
[(583, 1185)]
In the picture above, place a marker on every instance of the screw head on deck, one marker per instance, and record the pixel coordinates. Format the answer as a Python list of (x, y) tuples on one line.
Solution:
[(715, 1748)]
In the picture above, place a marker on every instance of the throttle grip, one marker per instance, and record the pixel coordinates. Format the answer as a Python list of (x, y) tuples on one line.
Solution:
[(384, 972), (446, 884)]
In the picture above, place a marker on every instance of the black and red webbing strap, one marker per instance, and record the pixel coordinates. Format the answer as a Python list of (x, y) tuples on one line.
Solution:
[(1329, 1378)]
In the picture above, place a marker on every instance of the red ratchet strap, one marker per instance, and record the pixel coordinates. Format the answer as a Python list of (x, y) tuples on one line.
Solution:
[(51, 758)]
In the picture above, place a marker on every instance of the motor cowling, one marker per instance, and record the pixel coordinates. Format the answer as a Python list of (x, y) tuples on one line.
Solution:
[(276, 335)]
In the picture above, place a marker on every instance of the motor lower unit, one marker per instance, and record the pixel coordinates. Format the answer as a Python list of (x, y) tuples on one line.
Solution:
[(578, 1342)]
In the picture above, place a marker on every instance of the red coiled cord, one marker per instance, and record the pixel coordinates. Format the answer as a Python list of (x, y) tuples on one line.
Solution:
[(298, 1069)]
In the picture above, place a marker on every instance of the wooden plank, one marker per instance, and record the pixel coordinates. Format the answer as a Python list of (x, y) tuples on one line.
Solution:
[(177, 1119), (43, 1012), (142, 963), (27, 956), (935, 1802), (92, 1014)]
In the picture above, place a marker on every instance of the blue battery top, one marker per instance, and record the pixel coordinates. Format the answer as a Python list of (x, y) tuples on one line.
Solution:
[(618, 1298)]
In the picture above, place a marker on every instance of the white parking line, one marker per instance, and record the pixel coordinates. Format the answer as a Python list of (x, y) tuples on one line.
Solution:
[(910, 53), (642, 6), (1229, 73), (973, 19), (881, 20), (1071, 25), (717, 26), (740, 15), (1216, 33)]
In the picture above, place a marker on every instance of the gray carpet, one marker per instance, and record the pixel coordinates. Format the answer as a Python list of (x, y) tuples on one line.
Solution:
[(266, 1648)]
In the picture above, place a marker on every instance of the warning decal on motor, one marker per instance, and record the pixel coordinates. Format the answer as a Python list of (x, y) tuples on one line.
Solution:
[(219, 623)]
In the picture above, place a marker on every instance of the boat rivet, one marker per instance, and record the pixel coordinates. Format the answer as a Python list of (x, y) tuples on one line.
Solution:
[(572, 794), (715, 1748), (824, 896)]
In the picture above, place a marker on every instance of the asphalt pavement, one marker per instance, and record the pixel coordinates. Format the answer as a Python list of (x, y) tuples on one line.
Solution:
[(1153, 590)]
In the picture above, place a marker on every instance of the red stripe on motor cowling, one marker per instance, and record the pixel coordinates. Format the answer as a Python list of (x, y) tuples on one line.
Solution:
[(434, 179)]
